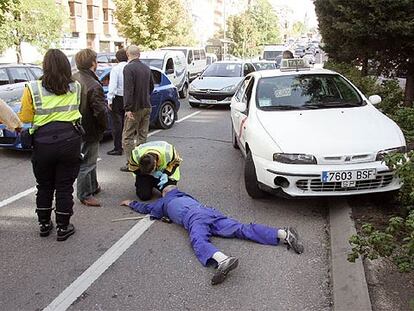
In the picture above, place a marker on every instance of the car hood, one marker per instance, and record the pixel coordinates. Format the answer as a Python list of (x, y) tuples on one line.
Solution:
[(331, 131), (215, 83)]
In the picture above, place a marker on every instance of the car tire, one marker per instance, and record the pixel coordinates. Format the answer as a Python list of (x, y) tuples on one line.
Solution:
[(234, 138), (184, 91), (250, 179), (194, 105), (167, 115)]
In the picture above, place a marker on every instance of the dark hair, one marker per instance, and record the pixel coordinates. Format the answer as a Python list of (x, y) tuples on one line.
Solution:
[(287, 54), (56, 72), (147, 163), (85, 58), (121, 55)]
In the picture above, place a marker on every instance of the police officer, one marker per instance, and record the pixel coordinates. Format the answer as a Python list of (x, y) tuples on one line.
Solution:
[(155, 165), (52, 106)]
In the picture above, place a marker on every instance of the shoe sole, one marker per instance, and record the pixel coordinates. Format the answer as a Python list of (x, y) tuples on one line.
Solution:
[(86, 204), (65, 237), (220, 276), (298, 248)]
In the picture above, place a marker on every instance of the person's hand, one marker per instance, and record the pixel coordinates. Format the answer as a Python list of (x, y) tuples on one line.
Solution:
[(129, 115), (163, 180), (125, 203), (157, 174)]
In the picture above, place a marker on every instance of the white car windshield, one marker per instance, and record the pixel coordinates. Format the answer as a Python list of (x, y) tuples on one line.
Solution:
[(157, 63), (223, 70), (297, 92)]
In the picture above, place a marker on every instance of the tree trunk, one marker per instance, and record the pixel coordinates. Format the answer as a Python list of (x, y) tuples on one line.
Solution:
[(409, 88), (364, 71), (19, 53)]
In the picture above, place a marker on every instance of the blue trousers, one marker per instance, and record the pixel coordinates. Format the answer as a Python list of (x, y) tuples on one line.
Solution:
[(202, 223)]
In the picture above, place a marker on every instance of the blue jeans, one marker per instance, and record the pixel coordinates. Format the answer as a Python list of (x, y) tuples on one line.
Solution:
[(87, 182)]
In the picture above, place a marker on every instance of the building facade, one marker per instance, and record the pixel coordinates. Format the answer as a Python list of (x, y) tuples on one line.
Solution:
[(92, 25)]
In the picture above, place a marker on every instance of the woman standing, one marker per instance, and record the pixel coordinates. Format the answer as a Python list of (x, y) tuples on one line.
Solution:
[(52, 106)]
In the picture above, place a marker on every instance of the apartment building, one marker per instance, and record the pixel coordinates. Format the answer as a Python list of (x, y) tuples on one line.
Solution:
[(92, 25)]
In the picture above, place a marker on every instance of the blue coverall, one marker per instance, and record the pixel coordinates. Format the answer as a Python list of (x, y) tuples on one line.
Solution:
[(203, 222)]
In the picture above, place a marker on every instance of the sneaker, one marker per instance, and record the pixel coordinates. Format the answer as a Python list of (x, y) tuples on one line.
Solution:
[(115, 152), (45, 228), (223, 269), (63, 232), (292, 240), (91, 201)]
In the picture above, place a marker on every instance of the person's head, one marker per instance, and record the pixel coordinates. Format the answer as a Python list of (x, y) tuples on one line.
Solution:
[(148, 163), (287, 54), (86, 59), (121, 55), (56, 72), (133, 52)]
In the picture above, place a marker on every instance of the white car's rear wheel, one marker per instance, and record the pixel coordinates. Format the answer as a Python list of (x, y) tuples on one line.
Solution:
[(250, 179)]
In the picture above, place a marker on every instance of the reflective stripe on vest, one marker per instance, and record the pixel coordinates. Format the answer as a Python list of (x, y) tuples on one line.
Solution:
[(50, 107), (165, 150)]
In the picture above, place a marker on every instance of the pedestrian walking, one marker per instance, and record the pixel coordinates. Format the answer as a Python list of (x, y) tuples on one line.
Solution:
[(51, 104), (93, 108), (115, 100), (138, 86), (155, 165), (203, 222)]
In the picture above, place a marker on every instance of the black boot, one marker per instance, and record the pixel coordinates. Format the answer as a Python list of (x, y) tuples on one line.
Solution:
[(45, 228), (63, 232)]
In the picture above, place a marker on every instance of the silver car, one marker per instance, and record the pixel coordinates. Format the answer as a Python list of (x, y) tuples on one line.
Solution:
[(218, 83)]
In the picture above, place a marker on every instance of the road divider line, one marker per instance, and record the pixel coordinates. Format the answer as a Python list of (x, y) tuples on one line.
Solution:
[(86, 279), (189, 116), (17, 196)]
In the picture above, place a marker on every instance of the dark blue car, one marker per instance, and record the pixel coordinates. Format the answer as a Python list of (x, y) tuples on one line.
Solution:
[(164, 102)]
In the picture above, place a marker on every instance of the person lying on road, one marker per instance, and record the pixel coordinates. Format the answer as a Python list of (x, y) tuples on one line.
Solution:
[(202, 222)]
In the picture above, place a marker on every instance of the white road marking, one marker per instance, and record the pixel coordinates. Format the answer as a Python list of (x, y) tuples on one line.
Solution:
[(17, 196), (189, 116), (82, 283)]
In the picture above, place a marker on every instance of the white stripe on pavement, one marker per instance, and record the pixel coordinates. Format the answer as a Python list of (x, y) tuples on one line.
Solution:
[(82, 283), (189, 116), (17, 196)]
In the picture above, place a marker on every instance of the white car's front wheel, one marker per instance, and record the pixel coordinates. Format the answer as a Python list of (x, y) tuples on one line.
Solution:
[(250, 179)]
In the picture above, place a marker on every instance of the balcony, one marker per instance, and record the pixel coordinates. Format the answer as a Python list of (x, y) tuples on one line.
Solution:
[(94, 27)]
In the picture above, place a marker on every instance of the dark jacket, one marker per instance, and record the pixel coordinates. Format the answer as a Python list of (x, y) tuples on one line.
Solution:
[(138, 86), (93, 105)]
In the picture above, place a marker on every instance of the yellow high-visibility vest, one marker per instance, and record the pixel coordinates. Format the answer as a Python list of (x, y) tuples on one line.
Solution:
[(50, 107), (168, 161)]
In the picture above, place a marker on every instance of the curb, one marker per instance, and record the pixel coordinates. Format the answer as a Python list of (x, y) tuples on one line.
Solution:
[(350, 289)]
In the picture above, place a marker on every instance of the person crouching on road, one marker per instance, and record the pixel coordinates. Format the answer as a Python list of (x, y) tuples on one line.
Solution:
[(202, 222), (155, 165), (52, 106)]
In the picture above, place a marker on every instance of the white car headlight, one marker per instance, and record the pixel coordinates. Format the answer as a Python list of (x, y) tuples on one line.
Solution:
[(381, 154), (192, 88), (294, 158), (229, 88)]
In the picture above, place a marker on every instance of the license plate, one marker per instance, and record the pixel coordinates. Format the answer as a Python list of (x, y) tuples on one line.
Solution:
[(209, 101), (348, 176)]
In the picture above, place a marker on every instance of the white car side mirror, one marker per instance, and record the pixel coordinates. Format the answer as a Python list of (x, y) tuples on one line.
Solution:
[(375, 99), (239, 106)]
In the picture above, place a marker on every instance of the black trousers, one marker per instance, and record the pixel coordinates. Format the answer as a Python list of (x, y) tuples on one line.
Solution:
[(56, 166), (145, 183), (117, 114)]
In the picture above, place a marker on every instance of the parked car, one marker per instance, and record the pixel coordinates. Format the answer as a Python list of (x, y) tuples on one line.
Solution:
[(311, 132), (164, 98), (217, 84), (272, 51), (173, 64), (13, 78), (264, 65), (196, 59)]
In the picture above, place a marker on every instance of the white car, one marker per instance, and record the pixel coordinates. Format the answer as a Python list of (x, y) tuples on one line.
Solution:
[(312, 133)]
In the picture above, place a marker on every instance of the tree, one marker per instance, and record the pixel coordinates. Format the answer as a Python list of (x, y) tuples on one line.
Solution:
[(253, 28), (380, 32), (298, 29), (38, 22), (154, 23)]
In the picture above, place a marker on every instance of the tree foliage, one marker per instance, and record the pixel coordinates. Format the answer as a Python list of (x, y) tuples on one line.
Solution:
[(38, 22), (379, 31), (152, 24), (253, 28)]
